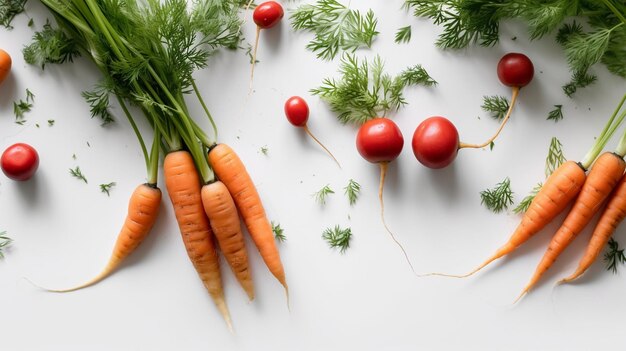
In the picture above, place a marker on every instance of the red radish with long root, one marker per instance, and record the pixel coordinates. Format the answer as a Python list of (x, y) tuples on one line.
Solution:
[(380, 141), (266, 16), (297, 112), (436, 140)]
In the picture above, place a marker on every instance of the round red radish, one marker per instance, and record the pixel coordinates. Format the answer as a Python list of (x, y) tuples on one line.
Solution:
[(268, 14), (297, 111), (435, 142), (515, 70), (19, 161), (379, 140)]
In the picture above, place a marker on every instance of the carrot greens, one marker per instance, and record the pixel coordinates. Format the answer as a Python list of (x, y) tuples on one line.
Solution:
[(338, 237), (8, 10), (614, 256), (77, 173), (467, 22), (498, 198), (279, 234), (403, 35), (526, 201), (556, 114), (496, 105), (106, 188), (322, 194), (352, 191), (4, 242), (336, 27)]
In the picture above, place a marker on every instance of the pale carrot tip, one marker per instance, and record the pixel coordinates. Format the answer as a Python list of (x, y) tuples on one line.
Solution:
[(445, 275), (524, 292)]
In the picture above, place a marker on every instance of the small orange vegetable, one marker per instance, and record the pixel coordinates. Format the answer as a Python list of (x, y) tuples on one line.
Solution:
[(5, 65)]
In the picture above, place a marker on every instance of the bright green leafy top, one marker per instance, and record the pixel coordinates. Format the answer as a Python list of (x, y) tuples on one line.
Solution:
[(365, 91), (467, 22), (336, 27), (338, 237)]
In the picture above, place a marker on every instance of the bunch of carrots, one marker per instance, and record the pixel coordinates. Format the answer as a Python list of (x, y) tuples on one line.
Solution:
[(598, 179), (147, 53)]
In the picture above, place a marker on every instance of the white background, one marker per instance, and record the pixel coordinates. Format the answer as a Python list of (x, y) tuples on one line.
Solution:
[(365, 299)]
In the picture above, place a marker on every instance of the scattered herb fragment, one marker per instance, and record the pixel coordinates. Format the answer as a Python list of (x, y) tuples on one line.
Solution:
[(613, 256), (264, 150), (106, 188), (556, 114), (526, 201), (4, 242), (338, 238), (50, 122), (497, 106), (76, 172), (22, 106), (352, 191), (278, 232), (403, 35), (335, 26), (50, 45), (322, 194), (364, 91), (499, 198), (555, 156)]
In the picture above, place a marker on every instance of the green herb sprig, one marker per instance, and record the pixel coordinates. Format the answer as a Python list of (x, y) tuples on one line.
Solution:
[(498, 198), (352, 191), (403, 35), (4, 242), (497, 106), (338, 237), (106, 188), (555, 157), (279, 234), (613, 256), (365, 91), (8, 10), (336, 27), (77, 173), (556, 114), (526, 201), (322, 194)]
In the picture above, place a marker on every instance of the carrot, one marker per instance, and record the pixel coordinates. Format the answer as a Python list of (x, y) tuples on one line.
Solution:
[(143, 209), (603, 177), (611, 217), (560, 188), (232, 172), (5, 65), (220, 208), (183, 185)]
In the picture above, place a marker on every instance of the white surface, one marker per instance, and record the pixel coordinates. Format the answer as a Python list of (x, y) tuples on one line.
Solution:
[(366, 299)]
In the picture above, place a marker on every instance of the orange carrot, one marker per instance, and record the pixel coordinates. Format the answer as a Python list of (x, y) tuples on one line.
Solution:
[(232, 172), (5, 65), (560, 188), (611, 217), (220, 208), (183, 185), (603, 177), (143, 209)]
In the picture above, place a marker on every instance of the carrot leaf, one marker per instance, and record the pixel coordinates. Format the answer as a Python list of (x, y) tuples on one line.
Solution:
[(555, 156), (321, 195), (499, 198), (365, 91), (106, 188), (352, 191), (77, 173), (4, 242), (336, 27), (338, 237), (613, 256), (497, 106), (8, 10), (526, 201), (403, 35), (556, 114), (278, 232)]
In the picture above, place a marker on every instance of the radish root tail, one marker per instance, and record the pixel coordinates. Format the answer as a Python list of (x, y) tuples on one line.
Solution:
[(306, 129), (383, 173), (514, 95)]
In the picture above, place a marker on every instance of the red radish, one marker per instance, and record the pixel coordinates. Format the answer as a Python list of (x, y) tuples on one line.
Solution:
[(379, 140), (19, 161), (266, 16), (436, 140), (297, 112)]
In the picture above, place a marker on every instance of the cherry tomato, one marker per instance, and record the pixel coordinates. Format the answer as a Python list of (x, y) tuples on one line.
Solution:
[(19, 161), (435, 142), (379, 140), (297, 111), (515, 70), (268, 14), (5, 65)]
